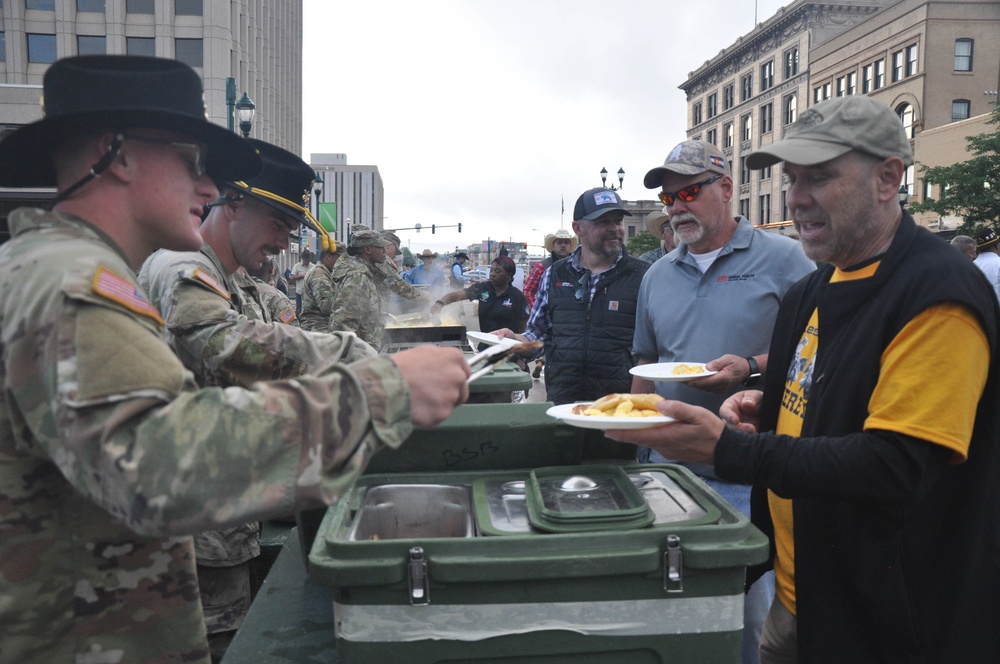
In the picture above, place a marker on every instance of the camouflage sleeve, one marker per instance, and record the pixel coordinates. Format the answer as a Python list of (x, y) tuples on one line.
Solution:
[(319, 291), (223, 347), (281, 308), (352, 300), (107, 401), (390, 277)]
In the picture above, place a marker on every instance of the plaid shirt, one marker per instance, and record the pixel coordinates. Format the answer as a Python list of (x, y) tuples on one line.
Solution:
[(532, 283)]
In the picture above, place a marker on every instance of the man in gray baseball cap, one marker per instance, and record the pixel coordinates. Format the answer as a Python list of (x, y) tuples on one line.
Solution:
[(856, 465), (844, 124), (725, 276)]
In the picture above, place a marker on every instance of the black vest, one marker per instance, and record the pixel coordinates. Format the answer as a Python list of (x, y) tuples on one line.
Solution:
[(589, 351), (907, 576)]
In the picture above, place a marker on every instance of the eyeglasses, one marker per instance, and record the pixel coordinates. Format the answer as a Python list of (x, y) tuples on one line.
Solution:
[(688, 193), (584, 285), (191, 153)]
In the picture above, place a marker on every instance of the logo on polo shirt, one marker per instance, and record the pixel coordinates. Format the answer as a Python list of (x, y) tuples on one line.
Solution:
[(734, 277)]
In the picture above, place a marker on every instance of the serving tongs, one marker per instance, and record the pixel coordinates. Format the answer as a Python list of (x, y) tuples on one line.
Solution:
[(482, 363)]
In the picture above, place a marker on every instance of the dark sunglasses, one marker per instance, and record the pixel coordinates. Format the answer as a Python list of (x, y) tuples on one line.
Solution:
[(688, 193)]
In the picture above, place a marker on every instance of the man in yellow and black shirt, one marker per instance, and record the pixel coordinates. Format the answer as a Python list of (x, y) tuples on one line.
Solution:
[(873, 447)]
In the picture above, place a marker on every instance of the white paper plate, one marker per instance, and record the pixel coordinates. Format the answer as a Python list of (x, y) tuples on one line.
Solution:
[(664, 372), (565, 414), (491, 339)]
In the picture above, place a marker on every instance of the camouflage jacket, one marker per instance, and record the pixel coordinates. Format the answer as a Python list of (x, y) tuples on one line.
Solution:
[(281, 309), (357, 306), (388, 281), (110, 457), (317, 299), (225, 337)]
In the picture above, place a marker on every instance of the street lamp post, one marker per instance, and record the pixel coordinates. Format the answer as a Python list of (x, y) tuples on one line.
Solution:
[(903, 196), (245, 111), (604, 178)]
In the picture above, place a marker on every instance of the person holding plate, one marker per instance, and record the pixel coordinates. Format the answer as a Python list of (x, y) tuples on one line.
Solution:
[(873, 447), (713, 301)]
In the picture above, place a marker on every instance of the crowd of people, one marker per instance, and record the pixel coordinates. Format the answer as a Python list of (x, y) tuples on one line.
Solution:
[(162, 395)]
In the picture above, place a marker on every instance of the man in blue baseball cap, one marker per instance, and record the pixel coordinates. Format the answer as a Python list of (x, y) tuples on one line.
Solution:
[(585, 306)]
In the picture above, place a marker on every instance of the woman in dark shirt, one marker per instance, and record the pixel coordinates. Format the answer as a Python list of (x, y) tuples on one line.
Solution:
[(500, 304)]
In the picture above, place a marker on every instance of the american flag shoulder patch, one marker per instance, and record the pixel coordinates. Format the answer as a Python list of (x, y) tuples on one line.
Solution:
[(211, 282), (287, 316), (117, 288)]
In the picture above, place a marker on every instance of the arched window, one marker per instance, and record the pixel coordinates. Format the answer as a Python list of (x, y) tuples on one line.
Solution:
[(905, 113)]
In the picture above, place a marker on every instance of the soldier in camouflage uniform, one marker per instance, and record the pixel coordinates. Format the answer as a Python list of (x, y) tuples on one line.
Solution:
[(317, 292), (110, 454), (390, 284), (357, 306), (219, 324), (274, 300)]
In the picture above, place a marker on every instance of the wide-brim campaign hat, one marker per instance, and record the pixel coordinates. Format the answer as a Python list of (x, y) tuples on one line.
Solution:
[(561, 234), (284, 183), (100, 92), (987, 237)]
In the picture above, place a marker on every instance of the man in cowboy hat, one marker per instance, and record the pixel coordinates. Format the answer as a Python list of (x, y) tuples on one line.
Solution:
[(357, 306), (658, 225), (112, 455), (988, 260), (456, 277), (428, 274), (559, 245), (219, 325)]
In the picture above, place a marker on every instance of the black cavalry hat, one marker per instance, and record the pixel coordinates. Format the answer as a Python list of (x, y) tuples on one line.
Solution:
[(98, 92), (284, 183)]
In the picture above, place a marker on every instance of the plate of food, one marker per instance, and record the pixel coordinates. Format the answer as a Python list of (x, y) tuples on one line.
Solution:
[(490, 339), (614, 411), (671, 372)]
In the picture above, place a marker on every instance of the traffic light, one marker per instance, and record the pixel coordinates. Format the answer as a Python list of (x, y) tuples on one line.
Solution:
[(432, 229), (460, 227), (524, 245)]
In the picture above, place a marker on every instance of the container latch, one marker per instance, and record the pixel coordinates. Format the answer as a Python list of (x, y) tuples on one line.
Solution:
[(673, 565), (420, 592)]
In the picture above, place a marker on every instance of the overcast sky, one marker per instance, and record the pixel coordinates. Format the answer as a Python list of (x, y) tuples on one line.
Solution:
[(488, 112)]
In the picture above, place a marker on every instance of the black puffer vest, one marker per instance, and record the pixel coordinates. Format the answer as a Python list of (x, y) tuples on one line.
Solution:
[(589, 351)]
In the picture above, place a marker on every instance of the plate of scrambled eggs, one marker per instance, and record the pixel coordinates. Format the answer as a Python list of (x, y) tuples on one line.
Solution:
[(671, 372), (614, 411)]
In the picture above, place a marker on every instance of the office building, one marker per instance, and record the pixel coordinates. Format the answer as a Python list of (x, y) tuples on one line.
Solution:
[(257, 44), (930, 61)]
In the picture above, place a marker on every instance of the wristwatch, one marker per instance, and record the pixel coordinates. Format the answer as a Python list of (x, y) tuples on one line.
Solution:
[(754, 376)]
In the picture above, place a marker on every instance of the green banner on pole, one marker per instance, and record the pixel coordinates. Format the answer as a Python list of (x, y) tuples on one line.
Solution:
[(328, 217)]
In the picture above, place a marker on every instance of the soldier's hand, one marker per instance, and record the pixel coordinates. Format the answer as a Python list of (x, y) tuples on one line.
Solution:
[(436, 377)]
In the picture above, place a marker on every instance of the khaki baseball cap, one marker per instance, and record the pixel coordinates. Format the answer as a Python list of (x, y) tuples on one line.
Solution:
[(688, 158), (835, 127)]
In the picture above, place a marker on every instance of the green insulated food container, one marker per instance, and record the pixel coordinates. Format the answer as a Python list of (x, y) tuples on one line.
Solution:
[(438, 567), (486, 437)]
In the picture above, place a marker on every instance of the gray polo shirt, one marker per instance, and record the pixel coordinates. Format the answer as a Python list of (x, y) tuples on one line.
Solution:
[(687, 316)]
